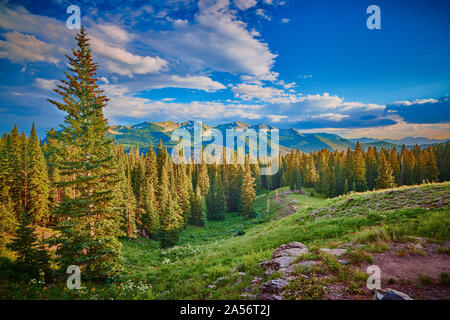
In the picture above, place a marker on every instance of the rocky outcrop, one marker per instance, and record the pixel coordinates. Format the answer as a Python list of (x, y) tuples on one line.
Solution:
[(273, 289), (283, 259), (292, 249), (334, 252)]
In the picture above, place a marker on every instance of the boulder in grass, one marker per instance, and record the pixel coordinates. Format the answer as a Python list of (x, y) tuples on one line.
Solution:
[(392, 294), (273, 287), (292, 249), (334, 252)]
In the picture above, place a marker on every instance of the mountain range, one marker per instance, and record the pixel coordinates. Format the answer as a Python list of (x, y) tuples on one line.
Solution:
[(146, 132)]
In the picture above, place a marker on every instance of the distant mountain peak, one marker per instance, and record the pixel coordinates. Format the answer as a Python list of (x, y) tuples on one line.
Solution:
[(290, 138), (168, 125)]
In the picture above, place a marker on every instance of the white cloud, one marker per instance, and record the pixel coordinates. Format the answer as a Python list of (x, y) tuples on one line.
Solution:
[(285, 20), (115, 32), (19, 47), (123, 103), (196, 82), (215, 39), (395, 131), (47, 84), (175, 81), (267, 94), (276, 118), (331, 116), (417, 101), (245, 4), (19, 19), (260, 12), (123, 62)]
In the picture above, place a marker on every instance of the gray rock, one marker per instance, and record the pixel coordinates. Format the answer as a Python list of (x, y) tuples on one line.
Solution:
[(273, 287), (291, 252), (291, 245), (278, 263), (334, 252), (343, 261), (306, 263), (392, 294)]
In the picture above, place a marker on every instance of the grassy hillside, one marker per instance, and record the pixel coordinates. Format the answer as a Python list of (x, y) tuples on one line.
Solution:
[(203, 264), (215, 263)]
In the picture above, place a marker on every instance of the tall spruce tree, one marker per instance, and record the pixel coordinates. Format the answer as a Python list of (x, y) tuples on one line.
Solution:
[(371, 168), (32, 257), (90, 219), (359, 168), (216, 204), (431, 171), (16, 149), (198, 216), (38, 182), (150, 215), (203, 178), (8, 219), (248, 194), (385, 177), (170, 219)]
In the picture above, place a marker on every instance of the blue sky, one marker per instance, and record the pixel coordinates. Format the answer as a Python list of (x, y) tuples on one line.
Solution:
[(311, 65)]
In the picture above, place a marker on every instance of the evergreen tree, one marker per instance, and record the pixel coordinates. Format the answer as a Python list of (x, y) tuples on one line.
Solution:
[(359, 168), (385, 177), (182, 189), (8, 220), (169, 211), (395, 165), (198, 216), (90, 219), (151, 167), (408, 164), (215, 200), (311, 176), (130, 209), (203, 178), (345, 189), (248, 194), (15, 149), (371, 169), (38, 182), (57, 190), (431, 171), (235, 186), (150, 216), (32, 258)]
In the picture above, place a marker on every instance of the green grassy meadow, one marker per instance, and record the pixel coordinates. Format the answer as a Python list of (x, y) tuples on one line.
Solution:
[(215, 263)]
